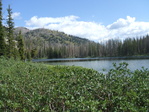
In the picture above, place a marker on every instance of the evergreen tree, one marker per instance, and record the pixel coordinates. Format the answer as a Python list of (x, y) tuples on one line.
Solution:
[(28, 55), (10, 28), (2, 39), (21, 46), (33, 52)]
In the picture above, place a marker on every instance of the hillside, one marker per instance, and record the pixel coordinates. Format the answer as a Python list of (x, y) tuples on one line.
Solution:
[(22, 29), (50, 36), (45, 43)]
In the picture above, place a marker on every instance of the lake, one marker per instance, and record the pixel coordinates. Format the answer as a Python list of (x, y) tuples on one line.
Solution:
[(99, 65)]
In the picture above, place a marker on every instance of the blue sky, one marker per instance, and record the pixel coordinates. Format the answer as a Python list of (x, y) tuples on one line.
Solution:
[(92, 19)]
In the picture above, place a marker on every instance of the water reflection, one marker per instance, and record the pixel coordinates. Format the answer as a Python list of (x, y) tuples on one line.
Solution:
[(99, 65)]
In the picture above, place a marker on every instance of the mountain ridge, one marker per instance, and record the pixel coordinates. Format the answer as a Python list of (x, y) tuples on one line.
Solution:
[(45, 43), (51, 36)]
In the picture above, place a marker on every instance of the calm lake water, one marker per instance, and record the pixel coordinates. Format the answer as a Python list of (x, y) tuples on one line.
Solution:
[(99, 65)]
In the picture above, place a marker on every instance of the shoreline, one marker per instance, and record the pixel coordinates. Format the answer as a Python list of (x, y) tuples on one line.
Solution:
[(89, 59)]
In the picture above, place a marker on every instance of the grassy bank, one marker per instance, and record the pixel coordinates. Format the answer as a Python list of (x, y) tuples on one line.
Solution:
[(32, 87)]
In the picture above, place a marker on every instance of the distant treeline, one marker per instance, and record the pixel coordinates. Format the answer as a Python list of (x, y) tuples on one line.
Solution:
[(128, 47), (111, 48)]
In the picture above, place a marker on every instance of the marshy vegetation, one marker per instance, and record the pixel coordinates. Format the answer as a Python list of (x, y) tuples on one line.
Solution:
[(26, 86)]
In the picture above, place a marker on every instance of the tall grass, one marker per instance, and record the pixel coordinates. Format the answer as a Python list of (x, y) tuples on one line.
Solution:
[(32, 87)]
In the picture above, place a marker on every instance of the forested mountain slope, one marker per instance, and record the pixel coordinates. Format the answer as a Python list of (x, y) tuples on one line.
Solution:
[(51, 36), (44, 43), (52, 44)]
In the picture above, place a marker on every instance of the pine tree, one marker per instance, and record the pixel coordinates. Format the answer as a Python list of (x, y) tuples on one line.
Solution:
[(2, 39), (10, 28), (28, 55), (21, 46)]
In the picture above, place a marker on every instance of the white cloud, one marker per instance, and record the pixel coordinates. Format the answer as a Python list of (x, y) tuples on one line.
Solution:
[(44, 21), (122, 28), (16, 15), (120, 23)]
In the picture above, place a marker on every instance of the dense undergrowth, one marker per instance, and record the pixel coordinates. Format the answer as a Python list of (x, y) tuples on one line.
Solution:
[(32, 87)]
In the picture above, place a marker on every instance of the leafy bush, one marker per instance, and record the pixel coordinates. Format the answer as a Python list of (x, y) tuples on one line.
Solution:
[(26, 86)]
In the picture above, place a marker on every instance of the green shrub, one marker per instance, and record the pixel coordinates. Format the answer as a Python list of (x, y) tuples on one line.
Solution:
[(30, 87)]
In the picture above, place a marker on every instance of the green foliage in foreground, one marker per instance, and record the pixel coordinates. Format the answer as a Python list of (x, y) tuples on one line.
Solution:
[(31, 87)]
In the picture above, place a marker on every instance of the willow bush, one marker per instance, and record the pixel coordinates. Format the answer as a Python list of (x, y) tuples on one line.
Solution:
[(30, 87)]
